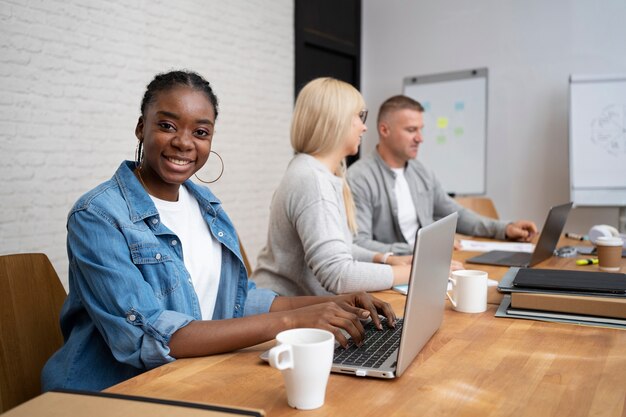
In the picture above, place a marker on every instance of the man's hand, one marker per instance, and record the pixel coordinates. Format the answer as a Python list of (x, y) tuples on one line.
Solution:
[(521, 230)]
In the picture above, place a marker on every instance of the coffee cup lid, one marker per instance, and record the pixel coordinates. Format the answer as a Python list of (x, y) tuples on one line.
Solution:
[(609, 241)]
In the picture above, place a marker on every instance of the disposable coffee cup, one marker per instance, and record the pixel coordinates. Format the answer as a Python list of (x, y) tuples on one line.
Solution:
[(609, 253)]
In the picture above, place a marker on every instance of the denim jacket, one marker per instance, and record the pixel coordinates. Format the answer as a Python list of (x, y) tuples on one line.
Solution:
[(129, 290)]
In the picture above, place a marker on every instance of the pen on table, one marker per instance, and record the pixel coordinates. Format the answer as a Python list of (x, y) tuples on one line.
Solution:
[(590, 261), (575, 236)]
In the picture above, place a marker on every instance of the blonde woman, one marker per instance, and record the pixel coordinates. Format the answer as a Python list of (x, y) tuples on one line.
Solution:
[(309, 250)]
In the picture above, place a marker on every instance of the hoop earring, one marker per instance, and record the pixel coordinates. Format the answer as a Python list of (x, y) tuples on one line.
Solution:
[(139, 154), (219, 176)]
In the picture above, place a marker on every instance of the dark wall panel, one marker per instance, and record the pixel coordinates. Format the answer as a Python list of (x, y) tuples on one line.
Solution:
[(328, 41)]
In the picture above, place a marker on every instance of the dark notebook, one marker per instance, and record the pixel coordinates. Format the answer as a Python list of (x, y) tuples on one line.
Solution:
[(571, 281)]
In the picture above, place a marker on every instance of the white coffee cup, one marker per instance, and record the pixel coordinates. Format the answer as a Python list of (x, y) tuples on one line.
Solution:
[(469, 291), (305, 357)]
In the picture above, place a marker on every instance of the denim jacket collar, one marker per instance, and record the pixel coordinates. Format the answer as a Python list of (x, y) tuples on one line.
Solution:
[(141, 206)]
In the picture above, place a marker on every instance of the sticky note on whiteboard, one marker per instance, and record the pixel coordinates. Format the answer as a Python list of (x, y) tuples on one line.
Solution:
[(442, 122)]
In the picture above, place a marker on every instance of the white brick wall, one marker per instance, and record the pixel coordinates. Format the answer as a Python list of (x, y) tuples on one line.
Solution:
[(72, 74)]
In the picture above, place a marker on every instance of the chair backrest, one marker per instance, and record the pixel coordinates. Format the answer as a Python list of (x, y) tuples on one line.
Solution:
[(481, 205), (31, 297), (246, 261)]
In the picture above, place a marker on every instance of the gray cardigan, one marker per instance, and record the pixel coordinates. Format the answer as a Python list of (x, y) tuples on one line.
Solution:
[(372, 183), (309, 248)]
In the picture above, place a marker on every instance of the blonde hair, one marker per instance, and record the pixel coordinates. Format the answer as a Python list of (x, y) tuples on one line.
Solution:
[(322, 119)]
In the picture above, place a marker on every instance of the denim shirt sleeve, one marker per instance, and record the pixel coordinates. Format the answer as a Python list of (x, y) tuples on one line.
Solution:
[(121, 303), (259, 300)]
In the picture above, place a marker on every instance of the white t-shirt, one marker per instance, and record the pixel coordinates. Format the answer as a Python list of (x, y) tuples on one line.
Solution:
[(201, 253), (407, 214)]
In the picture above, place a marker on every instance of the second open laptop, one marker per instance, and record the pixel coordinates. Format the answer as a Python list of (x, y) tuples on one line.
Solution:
[(552, 229)]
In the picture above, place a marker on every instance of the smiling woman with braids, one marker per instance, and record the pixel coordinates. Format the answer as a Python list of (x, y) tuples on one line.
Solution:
[(155, 268)]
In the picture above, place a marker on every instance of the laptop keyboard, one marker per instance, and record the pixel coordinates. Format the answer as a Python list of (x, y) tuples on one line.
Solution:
[(518, 258), (378, 346)]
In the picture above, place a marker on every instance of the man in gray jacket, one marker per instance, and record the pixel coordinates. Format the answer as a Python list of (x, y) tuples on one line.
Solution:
[(395, 194)]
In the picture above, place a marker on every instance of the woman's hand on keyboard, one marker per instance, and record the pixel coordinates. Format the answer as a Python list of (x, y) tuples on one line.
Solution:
[(332, 317), (365, 306)]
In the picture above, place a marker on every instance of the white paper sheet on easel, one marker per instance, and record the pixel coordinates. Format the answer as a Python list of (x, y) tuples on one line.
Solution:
[(485, 246)]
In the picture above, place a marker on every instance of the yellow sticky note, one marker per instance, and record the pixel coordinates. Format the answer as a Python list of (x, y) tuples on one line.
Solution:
[(442, 122)]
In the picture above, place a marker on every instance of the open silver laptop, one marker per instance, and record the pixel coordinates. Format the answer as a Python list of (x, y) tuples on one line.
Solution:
[(552, 229), (424, 308), (423, 312)]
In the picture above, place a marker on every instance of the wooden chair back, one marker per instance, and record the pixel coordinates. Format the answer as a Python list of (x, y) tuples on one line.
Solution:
[(30, 303), (481, 205), (246, 262)]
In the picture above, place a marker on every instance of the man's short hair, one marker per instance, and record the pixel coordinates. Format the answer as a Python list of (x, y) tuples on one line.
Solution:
[(395, 103)]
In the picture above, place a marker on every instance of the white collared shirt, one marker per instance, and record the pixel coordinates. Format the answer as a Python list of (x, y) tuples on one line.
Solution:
[(407, 214)]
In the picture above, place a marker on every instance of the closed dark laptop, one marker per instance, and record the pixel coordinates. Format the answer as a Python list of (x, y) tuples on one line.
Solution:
[(571, 281), (552, 229)]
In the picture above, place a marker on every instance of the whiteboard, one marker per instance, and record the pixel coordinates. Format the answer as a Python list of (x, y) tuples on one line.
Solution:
[(597, 140), (455, 127)]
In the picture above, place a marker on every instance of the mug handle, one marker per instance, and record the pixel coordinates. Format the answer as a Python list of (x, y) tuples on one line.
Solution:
[(448, 292), (275, 357)]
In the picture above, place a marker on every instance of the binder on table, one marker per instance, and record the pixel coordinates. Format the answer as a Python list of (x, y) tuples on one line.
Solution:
[(581, 297), (575, 304), (63, 403)]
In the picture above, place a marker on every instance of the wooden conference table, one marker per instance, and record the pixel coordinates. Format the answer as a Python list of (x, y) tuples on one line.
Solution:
[(475, 365)]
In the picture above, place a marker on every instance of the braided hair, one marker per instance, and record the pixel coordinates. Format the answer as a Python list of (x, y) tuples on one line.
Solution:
[(167, 81)]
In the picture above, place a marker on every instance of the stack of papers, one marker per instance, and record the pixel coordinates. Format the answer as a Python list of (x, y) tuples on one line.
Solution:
[(485, 246)]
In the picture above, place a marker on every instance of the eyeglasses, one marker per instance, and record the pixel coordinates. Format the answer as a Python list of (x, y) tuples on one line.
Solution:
[(363, 115)]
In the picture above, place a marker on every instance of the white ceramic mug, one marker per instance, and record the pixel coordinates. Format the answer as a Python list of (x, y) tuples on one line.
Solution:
[(305, 357), (469, 291)]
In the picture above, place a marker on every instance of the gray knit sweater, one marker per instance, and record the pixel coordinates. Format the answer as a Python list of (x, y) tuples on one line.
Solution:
[(309, 248)]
